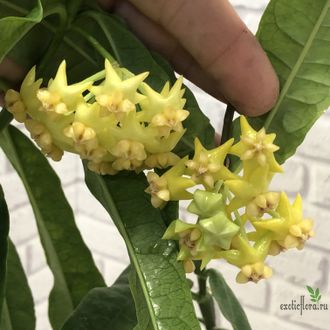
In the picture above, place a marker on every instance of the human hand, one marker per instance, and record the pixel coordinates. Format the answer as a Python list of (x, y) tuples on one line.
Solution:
[(209, 44)]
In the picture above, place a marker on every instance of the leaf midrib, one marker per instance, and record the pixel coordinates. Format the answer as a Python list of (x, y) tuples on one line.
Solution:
[(298, 64), (6, 316), (115, 215), (38, 214)]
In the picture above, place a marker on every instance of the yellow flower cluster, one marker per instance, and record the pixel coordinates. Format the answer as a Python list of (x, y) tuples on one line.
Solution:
[(118, 123), (230, 204)]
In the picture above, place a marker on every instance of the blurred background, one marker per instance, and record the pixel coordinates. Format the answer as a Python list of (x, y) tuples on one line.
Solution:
[(308, 172)]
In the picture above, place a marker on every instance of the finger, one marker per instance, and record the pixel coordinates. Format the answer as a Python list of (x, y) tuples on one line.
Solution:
[(158, 39), (222, 45), (11, 71), (106, 4)]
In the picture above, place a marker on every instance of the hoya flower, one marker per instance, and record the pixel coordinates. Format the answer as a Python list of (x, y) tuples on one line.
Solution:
[(116, 95), (249, 258), (169, 120), (102, 168), (201, 241), (218, 230), (254, 273), (256, 147), (43, 139), (207, 166), (129, 155), (161, 160), (170, 186), (52, 122), (59, 97), (189, 237), (289, 229), (85, 141), (90, 115), (213, 232), (206, 203), (253, 193), (133, 129), (15, 105), (168, 104)]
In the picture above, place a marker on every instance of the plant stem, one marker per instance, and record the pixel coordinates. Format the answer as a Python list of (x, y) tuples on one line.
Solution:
[(205, 300), (95, 77), (227, 128), (227, 124), (98, 47), (274, 214)]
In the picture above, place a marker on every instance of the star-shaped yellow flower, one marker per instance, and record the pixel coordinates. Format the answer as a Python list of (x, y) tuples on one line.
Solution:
[(169, 120), (156, 103), (256, 147), (118, 96), (189, 237), (204, 240), (59, 97), (249, 258), (290, 229), (253, 193), (207, 166), (170, 186)]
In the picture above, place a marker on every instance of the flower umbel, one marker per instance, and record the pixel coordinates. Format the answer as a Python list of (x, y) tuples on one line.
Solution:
[(98, 119), (117, 122)]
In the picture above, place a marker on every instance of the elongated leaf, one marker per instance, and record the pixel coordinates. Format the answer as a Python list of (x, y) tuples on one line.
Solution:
[(4, 230), (67, 256), (18, 312), (161, 277), (295, 35), (317, 292), (105, 308), (310, 290), (228, 303), (14, 28)]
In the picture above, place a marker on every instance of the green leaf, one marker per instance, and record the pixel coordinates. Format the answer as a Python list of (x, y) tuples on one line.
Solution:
[(105, 308), (68, 257), (317, 292), (4, 230), (143, 318), (319, 297), (310, 290), (18, 312), (164, 289), (13, 28), (228, 303), (295, 35), (5, 119)]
